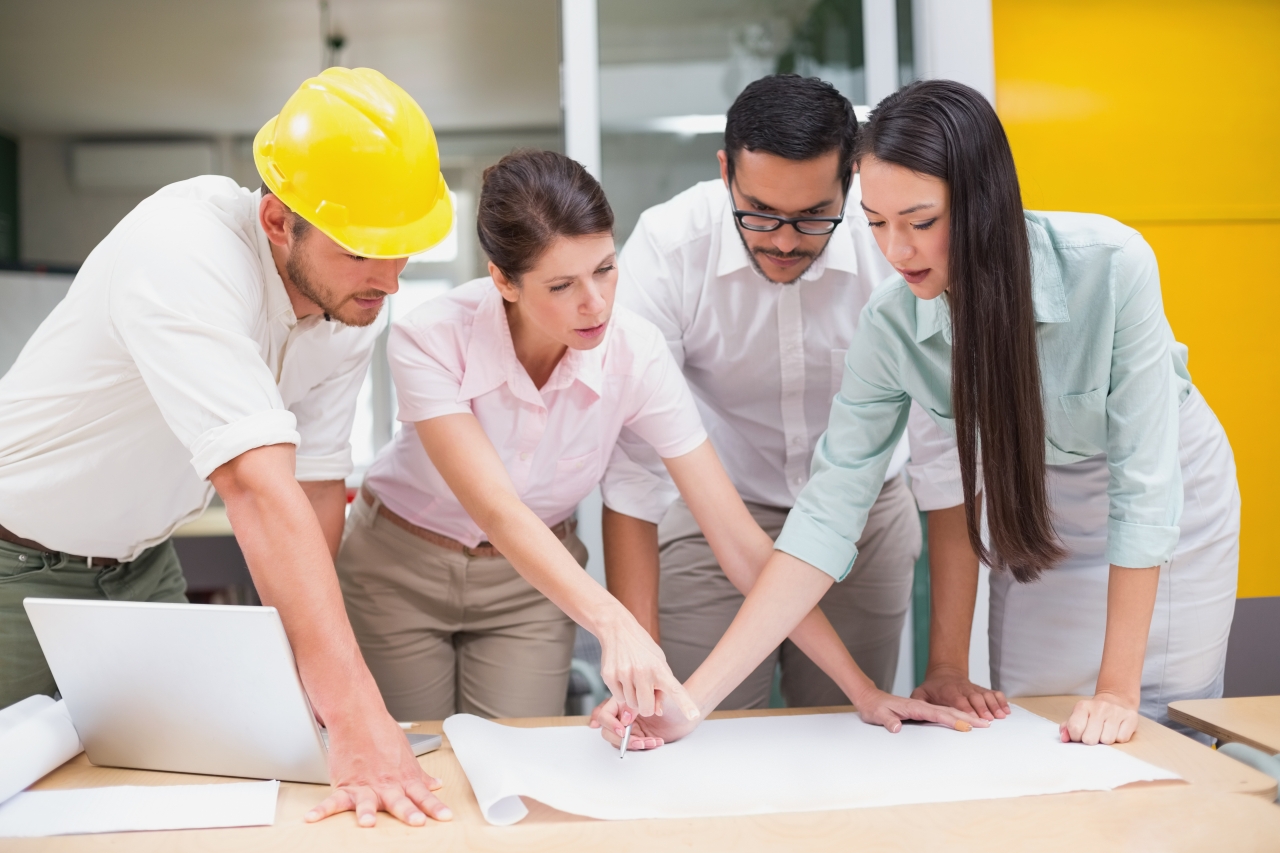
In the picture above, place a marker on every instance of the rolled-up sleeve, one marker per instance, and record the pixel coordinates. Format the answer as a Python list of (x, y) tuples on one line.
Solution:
[(1145, 487), (184, 295), (868, 417)]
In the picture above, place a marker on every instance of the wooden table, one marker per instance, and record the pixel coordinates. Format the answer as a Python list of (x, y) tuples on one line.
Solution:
[(1206, 812), (1251, 720)]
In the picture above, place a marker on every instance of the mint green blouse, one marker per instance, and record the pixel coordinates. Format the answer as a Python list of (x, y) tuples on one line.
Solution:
[(1112, 377)]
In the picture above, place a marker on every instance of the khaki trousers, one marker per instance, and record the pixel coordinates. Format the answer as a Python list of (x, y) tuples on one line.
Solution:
[(445, 633), (697, 602)]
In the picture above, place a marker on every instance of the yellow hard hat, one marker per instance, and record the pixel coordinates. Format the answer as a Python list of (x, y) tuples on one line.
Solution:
[(355, 156)]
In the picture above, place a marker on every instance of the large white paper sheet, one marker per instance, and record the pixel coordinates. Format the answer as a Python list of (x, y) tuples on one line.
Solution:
[(36, 736), (128, 808), (763, 765)]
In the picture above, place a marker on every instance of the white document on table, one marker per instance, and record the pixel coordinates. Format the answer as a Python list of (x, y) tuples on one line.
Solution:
[(130, 808), (764, 765)]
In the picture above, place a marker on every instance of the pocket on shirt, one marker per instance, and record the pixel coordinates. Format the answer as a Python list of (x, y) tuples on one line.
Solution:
[(1078, 424), (837, 370), (576, 477)]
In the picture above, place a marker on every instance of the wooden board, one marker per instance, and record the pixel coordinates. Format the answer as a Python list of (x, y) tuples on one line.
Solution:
[(1251, 720), (1199, 814)]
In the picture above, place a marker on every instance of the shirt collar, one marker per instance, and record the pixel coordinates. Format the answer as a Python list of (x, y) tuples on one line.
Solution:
[(491, 360), (839, 254), (278, 306), (1048, 297)]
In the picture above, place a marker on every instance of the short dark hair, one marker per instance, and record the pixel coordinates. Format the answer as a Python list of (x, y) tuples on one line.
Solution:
[(795, 117), (530, 198)]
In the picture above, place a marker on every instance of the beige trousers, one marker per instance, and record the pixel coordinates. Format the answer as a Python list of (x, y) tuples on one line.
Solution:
[(697, 602), (444, 633)]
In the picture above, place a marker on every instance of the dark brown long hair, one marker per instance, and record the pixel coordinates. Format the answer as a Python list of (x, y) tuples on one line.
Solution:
[(947, 130), (529, 198)]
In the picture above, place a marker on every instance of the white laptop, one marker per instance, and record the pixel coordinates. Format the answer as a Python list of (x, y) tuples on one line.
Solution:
[(190, 688)]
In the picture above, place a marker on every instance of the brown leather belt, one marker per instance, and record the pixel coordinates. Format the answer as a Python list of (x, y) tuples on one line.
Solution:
[(91, 562), (484, 549)]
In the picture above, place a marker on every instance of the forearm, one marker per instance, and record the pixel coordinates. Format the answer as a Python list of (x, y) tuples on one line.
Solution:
[(328, 499), (285, 549), (544, 562), (1131, 597), (953, 585), (786, 592), (631, 565)]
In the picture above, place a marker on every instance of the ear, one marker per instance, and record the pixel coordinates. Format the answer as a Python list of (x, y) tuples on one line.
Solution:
[(724, 166), (509, 291), (275, 217)]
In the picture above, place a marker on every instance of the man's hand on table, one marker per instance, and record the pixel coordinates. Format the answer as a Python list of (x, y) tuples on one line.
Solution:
[(373, 769), (955, 690)]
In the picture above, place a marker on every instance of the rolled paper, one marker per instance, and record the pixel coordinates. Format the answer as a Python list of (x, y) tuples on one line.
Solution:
[(36, 737)]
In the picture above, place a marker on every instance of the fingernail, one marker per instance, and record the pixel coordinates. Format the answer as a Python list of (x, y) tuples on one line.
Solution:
[(417, 819), (366, 820), (445, 814)]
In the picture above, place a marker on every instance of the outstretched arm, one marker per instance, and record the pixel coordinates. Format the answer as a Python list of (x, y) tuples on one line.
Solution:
[(632, 665), (284, 545)]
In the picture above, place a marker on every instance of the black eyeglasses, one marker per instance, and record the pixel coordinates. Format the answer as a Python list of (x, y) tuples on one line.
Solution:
[(813, 226)]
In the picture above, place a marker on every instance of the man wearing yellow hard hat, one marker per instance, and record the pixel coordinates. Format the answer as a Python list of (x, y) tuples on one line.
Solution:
[(216, 340)]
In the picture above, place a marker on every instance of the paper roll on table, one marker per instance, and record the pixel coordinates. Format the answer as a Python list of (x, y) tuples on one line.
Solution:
[(36, 737)]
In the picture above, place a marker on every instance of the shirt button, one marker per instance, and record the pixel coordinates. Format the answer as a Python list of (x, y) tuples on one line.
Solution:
[(22, 558), (799, 480), (524, 456)]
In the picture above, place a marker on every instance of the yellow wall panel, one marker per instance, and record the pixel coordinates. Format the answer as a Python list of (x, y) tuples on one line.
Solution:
[(1143, 109), (1166, 115)]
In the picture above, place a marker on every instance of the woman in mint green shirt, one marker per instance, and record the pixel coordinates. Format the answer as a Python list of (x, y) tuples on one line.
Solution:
[(1037, 345)]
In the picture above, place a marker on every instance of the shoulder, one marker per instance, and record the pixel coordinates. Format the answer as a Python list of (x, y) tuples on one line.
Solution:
[(1066, 231), (1089, 245), (689, 217), (194, 221)]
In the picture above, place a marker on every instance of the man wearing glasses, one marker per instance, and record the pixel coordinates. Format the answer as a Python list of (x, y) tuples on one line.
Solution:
[(757, 281)]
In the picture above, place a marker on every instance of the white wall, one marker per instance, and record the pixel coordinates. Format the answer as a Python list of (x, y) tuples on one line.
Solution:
[(953, 40)]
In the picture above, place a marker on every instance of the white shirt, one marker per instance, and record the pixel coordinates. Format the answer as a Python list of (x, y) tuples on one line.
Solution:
[(763, 359), (454, 355), (175, 351)]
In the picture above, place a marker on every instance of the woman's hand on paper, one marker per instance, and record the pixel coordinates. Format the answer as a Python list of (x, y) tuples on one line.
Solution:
[(885, 709), (1106, 718), (955, 690), (612, 718), (373, 769), (635, 670)]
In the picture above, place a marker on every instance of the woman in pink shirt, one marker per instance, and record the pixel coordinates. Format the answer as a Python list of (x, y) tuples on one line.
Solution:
[(459, 565)]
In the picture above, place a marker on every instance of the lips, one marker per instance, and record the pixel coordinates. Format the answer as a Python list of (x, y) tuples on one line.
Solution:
[(592, 332), (914, 276)]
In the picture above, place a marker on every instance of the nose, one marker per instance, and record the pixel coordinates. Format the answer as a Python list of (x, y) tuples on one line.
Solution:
[(899, 249), (595, 302), (785, 239), (384, 275)]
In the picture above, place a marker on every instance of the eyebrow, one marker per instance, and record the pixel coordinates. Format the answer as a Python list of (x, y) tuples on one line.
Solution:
[(758, 203), (921, 206), (610, 258)]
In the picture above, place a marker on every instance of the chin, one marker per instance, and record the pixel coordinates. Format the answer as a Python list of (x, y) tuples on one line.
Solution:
[(351, 316), (925, 291)]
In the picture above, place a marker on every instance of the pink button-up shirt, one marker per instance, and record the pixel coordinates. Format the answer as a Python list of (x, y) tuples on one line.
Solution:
[(455, 355)]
